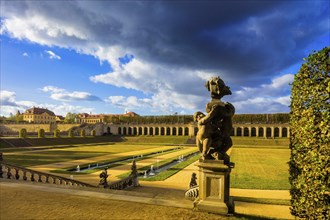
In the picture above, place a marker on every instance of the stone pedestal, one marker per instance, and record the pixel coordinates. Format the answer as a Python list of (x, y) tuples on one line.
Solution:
[(214, 184)]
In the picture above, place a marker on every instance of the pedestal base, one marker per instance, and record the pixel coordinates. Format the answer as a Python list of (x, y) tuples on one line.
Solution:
[(214, 184)]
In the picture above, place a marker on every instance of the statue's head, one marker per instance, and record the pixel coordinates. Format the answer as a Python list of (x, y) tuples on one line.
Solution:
[(198, 115), (217, 87)]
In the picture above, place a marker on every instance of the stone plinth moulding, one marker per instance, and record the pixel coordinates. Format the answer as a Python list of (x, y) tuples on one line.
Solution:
[(214, 185)]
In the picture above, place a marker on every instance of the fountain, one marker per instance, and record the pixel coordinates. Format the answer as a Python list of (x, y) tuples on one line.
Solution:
[(152, 173), (145, 174), (78, 168), (89, 166)]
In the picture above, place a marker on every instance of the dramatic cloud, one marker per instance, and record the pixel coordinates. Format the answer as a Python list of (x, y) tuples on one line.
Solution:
[(52, 55), (25, 54), (171, 47), (60, 94), (9, 105)]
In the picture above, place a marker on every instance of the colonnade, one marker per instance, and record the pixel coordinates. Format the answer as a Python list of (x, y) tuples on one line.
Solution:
[(261, 130), (244, 130)]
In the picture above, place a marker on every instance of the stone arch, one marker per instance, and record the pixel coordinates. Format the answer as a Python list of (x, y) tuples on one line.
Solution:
[(156, 131), (129, 130), (108, 130), (245, 132), (195, 131), (180, 131), (140, 131), (268, 132), (174, 131), (261, 131), (162, 131), (134, 131), (276, 132), (119, 130), (151, 131), (232, 133), (239, 131), (168, 131), (124, 131), (285, 132), (186, 131), (145, 131), (253, 132)]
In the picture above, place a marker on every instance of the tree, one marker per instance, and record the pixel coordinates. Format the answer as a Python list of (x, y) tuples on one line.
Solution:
[(310, 138), (70, 117)]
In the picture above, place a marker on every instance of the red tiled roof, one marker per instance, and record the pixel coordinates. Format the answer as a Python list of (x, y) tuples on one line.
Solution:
[(39, 111)]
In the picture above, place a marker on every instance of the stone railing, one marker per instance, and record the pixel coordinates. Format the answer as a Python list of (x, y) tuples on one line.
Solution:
[(122, 184), (10, 171), (131, 181)]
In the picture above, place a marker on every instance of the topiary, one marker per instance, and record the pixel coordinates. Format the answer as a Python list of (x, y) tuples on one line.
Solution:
[(82, 133), (70, 133), (93, 133), (57, 133), (41, 133), (22, 133), (310, 138)]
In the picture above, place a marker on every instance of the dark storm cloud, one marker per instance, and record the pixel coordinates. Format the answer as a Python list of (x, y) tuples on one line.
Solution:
[(246, 40), (177, 44)]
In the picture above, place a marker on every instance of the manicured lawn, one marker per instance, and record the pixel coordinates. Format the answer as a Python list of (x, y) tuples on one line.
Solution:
[(260, 168), (47, 157), (253, 142), (157, 139)]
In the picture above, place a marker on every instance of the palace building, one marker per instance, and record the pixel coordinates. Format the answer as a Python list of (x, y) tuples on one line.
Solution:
[(91, 119), (39, 115)]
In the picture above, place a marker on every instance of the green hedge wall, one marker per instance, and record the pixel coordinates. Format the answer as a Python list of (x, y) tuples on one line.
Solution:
[(310, 138)]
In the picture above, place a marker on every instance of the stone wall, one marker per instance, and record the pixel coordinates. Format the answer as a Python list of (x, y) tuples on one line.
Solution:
[(14, 128)]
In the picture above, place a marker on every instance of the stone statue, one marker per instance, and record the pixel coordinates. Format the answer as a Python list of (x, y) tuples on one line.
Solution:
[(103, 178), (193, 181), (214, 128)]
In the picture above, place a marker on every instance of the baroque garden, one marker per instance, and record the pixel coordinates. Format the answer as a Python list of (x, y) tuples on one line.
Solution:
[(246, 170)]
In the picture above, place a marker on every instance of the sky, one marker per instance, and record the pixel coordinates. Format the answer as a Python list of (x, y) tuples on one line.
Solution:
[(154, 57)]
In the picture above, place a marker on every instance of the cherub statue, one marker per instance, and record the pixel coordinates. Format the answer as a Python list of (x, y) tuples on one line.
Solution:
[(205, 132), (103, 178), (218, 122)]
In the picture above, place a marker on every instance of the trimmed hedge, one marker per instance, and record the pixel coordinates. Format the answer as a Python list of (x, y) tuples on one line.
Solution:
[(310, 138), (70, 133), (57, 133), (41, 133), (22, 133), (83, 133)]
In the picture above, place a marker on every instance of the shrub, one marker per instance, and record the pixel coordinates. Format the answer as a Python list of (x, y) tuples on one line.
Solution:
[(310, 138), (57, 133), (70, 133), (41, 133), (82, 133), (22, 133)]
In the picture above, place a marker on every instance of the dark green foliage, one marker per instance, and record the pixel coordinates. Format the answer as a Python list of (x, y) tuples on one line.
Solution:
[(41, 133), (82, 133), (57, 133), (70, 133), (310, 138), (277, 118), (22, 133)]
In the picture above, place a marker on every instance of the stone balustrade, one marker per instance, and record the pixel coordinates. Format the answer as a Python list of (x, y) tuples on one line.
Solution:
[(10, 171)]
